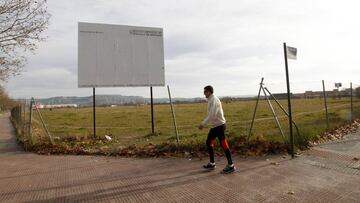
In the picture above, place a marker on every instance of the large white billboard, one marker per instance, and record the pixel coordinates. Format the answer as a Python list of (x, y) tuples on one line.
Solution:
[(120, 55)]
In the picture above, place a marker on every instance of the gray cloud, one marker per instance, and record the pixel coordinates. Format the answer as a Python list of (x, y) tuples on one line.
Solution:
[(230, 44)]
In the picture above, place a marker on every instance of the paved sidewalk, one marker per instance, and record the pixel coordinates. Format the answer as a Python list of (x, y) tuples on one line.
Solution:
[(7, 135), (327, 173)]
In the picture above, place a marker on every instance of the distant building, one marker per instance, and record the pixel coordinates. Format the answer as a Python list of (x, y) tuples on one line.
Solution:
[(333, 93), (284, 96), (345, 92), (40, 106), (316, 94), (54, 106), (313, 94)]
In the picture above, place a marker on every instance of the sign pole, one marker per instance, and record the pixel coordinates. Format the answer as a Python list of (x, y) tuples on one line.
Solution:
[(94, 114), (289, 102), (152, 110)]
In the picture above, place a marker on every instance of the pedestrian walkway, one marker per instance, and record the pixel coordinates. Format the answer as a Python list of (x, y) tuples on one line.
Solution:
[(326, 173), (7, 135)]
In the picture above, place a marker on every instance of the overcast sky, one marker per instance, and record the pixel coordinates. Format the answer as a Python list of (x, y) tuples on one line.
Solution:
[(229, 44)]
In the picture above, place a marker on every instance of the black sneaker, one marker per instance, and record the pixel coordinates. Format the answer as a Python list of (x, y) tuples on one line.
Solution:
[(229, 169), (210, 166)]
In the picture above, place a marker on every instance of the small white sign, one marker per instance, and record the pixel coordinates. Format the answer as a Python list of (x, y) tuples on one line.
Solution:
[(338, 84), (291, 52)]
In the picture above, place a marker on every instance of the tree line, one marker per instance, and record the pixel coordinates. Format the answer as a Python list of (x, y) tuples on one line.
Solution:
[(22, 23)]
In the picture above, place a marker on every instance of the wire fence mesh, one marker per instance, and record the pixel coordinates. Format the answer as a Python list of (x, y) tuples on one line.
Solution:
[(131, 124)]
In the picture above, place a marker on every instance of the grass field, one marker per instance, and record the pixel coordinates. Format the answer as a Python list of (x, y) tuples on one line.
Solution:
[(130, 125)]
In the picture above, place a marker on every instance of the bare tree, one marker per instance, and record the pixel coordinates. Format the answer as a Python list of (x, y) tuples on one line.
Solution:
[(21, 25), (6, 102)]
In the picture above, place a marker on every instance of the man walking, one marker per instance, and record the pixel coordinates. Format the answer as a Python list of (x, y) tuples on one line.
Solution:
[(215, 117)]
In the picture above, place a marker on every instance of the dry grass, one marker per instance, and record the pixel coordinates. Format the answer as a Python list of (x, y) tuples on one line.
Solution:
[(131, 125)]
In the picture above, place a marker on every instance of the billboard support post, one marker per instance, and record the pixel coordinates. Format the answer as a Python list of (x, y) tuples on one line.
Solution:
[(152, 110), (94, 113)]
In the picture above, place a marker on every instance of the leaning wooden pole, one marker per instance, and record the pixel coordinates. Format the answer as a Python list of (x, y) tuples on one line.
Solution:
[(256, 106), (43, 124), (326, 107), (173, 116)]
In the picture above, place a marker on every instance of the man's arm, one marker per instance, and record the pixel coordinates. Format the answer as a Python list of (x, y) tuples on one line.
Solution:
[(213, 108)]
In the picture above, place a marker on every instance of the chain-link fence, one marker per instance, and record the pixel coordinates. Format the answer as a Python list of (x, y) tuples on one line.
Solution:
[(19, 120), (316, 107)]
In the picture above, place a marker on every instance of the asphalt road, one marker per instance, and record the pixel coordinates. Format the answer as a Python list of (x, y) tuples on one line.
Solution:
[(326, 173)]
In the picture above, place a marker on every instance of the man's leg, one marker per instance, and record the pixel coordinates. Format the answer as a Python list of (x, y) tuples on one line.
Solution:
[(210, 145), (224, 144)]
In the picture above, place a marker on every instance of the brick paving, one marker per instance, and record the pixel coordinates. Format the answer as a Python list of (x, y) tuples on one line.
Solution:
[(326, 173)]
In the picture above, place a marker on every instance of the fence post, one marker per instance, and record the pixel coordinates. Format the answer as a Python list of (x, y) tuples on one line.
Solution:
[(326, 108), (30, 120), (351, 103), (24, 121), (19, 116)]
